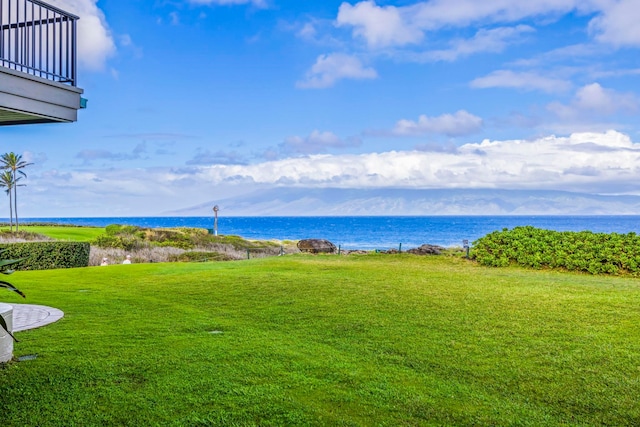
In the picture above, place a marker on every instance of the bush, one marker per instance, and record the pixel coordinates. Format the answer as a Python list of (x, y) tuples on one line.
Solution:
[(47, 255), (197, 256), (133, 239), (115, 229), (178, 238), (180, 244), (127, 243), (585, 251)]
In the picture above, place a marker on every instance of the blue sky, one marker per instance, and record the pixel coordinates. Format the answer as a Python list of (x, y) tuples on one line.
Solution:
[(193, 101)]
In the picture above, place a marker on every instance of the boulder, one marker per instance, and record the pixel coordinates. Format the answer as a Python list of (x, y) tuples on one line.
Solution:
[(316, 246), (427, 250)]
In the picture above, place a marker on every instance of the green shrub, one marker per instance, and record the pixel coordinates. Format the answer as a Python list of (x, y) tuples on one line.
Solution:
[(115, 229), (127, 243), (186, 245), (130, 238), (585, 251), (239, 243), (176, 238), (47, 255), (196, 256)]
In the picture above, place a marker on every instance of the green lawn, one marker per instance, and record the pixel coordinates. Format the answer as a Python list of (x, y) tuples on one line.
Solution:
[(78, 234), (391, 340)]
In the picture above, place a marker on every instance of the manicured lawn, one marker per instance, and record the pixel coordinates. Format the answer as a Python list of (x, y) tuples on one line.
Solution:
[(78, 234), (301, 340)]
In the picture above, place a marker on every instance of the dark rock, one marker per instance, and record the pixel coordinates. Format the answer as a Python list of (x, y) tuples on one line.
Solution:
[(316, 246), (427, 250)]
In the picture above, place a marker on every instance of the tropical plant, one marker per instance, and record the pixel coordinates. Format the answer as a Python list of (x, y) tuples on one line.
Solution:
[(585, 251), (13, 163), (6, 285), (6, 181)]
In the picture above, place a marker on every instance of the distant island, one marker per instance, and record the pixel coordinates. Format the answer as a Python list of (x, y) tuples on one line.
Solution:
[(288, 201)]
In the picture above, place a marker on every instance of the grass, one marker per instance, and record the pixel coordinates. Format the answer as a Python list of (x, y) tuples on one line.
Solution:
[(77, 234), (391, 340)]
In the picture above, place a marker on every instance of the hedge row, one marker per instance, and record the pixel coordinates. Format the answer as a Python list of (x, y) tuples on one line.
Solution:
[(595, 253), (46, 255)]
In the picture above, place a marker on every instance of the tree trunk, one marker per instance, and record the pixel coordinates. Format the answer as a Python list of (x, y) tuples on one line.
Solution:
[(10, 211), (15, 199)]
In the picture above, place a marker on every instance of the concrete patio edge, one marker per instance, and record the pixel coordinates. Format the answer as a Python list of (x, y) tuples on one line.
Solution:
[(29, 316)]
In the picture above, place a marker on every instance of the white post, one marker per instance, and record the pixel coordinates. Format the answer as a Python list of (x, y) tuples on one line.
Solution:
[(215, 221), (6, 342)]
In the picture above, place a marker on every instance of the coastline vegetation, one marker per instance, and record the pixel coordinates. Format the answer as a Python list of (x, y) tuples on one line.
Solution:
[(179, 244), (585, 251), (184, 244), (371, 339)]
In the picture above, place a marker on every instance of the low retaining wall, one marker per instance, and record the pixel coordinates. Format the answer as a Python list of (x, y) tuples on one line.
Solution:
[(6, 342)]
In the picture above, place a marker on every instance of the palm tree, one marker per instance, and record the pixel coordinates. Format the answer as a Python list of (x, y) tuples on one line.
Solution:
[(13, 162), (6, 181)]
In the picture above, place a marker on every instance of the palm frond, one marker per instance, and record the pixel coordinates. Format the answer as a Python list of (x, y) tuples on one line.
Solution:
[(4, 326), (10, 287)]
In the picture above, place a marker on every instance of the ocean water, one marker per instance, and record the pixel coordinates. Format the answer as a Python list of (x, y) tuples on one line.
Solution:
[(373, 232)]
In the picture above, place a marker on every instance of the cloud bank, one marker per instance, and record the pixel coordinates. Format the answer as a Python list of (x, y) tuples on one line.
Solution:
[(588, 162), (387, 26), (593, 163)]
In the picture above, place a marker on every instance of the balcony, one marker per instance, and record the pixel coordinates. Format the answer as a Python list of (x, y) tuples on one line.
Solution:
[(37, 64)]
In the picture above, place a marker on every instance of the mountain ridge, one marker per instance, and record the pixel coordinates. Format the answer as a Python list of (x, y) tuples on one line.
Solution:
[(350, 202)]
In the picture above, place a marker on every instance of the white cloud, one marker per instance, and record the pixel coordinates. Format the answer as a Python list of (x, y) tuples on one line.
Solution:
[(256, 3), (95, 41), (458, 124), (331, 68), (207, 157), (621, 72), (174, 18), (77, 190), (379, 26), (594, 100), (308, 31), (605, 159), (521, 80), (436, 14), (563, 54), (387, 26), (36, 158), (493, 40), (317, 142), (619, 24), (546, 163), (383, 26)]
